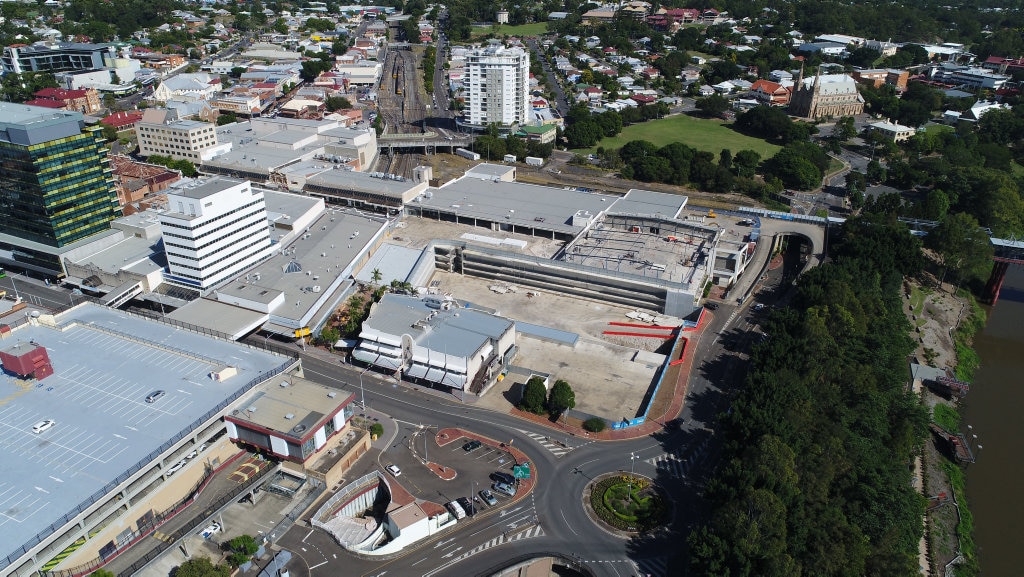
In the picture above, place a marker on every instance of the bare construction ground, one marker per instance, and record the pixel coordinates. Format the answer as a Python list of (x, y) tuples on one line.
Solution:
[(609, 378), (610, 374)]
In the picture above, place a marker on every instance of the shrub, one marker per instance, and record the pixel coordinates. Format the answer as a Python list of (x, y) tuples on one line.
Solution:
[(377, 429), (594, 424)]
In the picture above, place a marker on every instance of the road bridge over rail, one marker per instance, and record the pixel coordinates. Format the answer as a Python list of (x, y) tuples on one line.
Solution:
[(1007, 251), (428, 141)]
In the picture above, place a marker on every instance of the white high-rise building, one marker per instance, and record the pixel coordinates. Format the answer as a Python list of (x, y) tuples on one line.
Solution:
[(498, 86), (213, 230)]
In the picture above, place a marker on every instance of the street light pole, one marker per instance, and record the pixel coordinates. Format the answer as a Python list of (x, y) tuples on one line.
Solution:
[(362, 394), (632, 460)]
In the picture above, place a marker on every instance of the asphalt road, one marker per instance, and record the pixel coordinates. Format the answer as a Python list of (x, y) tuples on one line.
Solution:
[(677, 459)]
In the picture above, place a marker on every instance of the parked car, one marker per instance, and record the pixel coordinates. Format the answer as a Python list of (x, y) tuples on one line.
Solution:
[(467, 506), (43, 425), (471, 446), (174, 468), (394, 470), (155, 396), (759, 306), (488, 497), (711, 306), (504, 488), (210, 530), (503, 477), (456, 509)]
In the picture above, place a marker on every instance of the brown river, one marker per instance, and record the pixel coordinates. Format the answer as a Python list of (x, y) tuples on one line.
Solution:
[(994, 410)]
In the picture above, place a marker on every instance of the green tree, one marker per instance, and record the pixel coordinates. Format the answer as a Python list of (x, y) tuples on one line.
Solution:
[(102, 573), (202, 567), (334, 103), (963, 246), (109, 132), (244, 544), (329, 336), (713, 106), (534, 393), (376, 275), (226, 118), (561, 398)]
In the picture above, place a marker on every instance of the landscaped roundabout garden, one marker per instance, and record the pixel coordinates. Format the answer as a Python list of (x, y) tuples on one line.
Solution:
[(628, 502)]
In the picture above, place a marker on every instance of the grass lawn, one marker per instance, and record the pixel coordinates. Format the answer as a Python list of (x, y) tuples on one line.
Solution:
[(532, 29), (699, 133)]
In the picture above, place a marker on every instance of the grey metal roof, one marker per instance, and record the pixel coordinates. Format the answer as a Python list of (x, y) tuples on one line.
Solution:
[(639, 201), (124, 253), (282, 204), (487, 170), (220, 317), (530, 205), (459, 332), (362, 181), (104, 426), (339, 243), (393, 261)]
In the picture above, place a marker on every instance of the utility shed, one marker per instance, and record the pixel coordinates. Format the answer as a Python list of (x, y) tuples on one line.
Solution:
[(27, 360)]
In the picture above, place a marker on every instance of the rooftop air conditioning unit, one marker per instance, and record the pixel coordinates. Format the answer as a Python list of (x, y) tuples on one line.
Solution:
[(289, 416)]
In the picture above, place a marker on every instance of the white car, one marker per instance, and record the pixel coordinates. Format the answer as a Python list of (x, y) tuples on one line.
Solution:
[(174, 469), (394, 470), (210, 530), (43, 425)]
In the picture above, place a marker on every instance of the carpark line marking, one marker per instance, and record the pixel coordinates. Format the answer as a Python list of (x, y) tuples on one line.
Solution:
[(566, 521), (307, 537)]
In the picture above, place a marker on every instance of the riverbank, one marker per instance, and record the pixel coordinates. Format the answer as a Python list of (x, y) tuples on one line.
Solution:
[(944, 326)]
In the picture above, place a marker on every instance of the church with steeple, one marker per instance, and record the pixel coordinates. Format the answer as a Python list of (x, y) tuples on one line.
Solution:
[(825, 96)]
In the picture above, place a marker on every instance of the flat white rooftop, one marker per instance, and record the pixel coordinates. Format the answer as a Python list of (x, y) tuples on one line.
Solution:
[(104, 427)]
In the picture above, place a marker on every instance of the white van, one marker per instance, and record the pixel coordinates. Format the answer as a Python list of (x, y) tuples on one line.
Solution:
[(43, 425), (456, 509)]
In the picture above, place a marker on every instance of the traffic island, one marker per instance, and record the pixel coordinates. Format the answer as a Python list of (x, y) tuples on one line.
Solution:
[(446, 473), (626, 504)]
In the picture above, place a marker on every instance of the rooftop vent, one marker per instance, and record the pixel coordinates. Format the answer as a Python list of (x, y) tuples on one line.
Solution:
[(290, 416), (298, 428), (284, 384), (331, 395), (251, 409)]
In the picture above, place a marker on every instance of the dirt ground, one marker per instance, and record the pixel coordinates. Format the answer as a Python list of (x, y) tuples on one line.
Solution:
[(935, 313)]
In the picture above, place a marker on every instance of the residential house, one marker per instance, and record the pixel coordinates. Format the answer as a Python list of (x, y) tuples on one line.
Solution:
[(770, 93), (86, 100), (881, 76), (123, 120), (892, 131)]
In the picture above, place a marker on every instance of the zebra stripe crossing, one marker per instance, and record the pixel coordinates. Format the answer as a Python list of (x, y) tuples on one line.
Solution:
[(676, 464), (650, 567), (557, 449), (535, 531)]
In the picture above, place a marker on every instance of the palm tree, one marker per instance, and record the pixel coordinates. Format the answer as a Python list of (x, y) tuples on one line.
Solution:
[(376, 275)]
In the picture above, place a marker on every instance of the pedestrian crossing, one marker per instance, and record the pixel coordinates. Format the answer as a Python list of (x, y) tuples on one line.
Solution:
[(556, 447), (506, 537), (650, 567), (679, 462)]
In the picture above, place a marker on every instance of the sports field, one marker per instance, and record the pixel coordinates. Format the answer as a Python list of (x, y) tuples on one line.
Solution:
[(699, 133), (532, 29)]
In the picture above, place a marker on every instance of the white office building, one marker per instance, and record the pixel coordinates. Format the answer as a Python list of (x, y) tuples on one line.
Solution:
[(497, 86), (213, 230), (191, 140)]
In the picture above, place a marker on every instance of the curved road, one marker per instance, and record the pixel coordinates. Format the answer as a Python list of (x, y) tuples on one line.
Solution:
[(675, 457)]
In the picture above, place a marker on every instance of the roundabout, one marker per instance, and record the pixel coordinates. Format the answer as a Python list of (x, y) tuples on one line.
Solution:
[(626, 504)]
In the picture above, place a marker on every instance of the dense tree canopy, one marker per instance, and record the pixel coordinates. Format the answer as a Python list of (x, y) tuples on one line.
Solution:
[(814, 480)]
